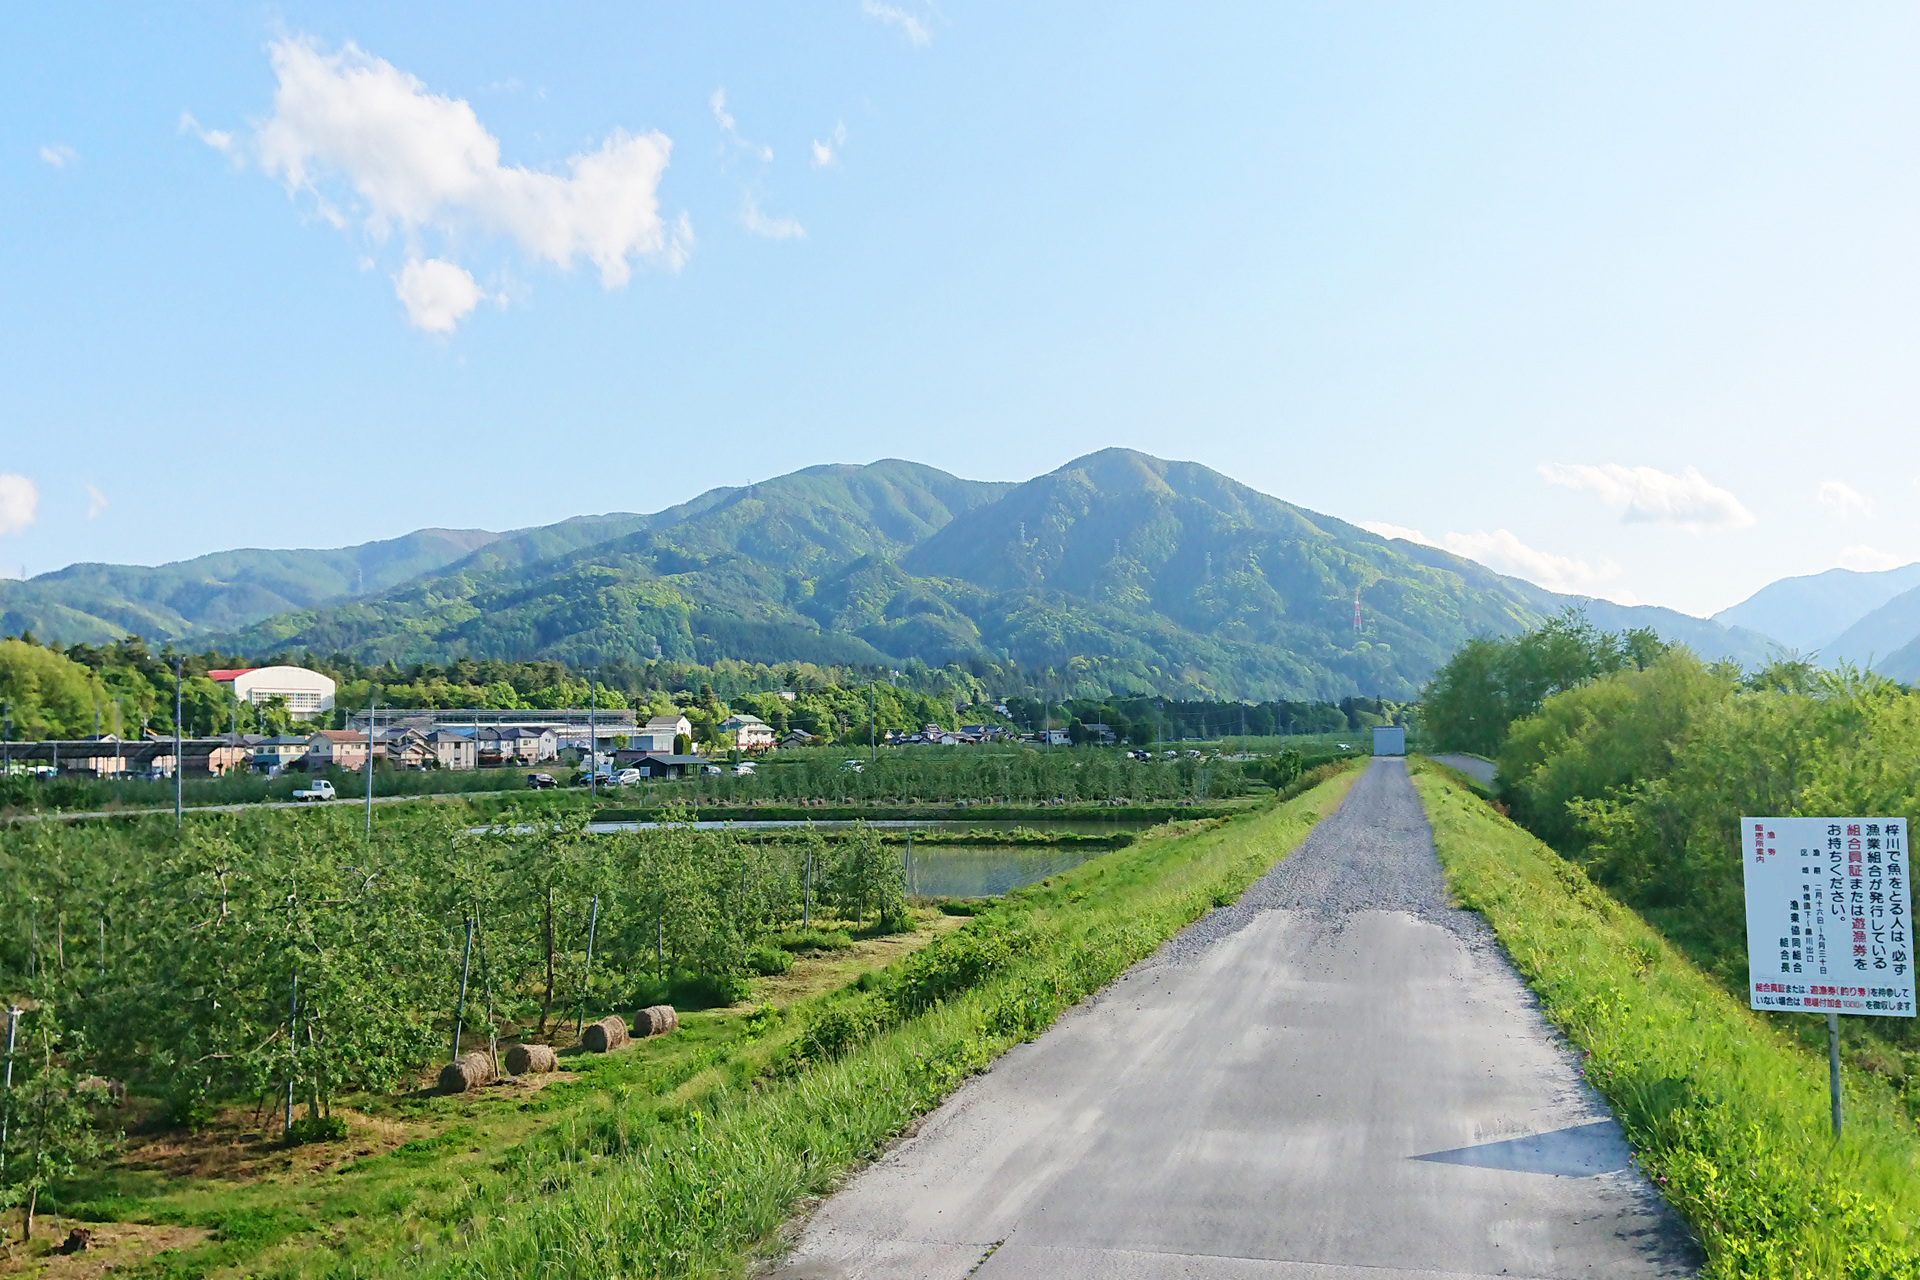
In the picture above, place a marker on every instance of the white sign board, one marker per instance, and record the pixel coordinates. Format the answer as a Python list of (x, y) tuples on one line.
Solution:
[(1828, 915)]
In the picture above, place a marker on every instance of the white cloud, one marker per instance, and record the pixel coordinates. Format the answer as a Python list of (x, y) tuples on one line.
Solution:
[(828, 152), (19, 502), (219, 139), (1386, 530), (1869, 559), (772, 228), (1502, 552), (1648, 495), (730, 127), (914, 28), (437, 294), (59, 155), (371, 144), (1844, 500), (96, 501)]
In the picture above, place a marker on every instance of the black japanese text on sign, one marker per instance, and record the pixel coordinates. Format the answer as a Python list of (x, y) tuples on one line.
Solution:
[(1828, 912)]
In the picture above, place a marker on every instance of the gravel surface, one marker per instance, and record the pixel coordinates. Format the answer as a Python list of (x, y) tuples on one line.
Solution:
[(1374, 853)]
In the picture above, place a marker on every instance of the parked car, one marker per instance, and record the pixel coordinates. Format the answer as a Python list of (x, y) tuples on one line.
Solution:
[(744, 769), (540, 781), (853, 766), (321, 790), (627, 778), (710, 770)]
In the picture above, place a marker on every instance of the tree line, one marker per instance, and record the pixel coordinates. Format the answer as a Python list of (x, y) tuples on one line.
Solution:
[(1637, 759)]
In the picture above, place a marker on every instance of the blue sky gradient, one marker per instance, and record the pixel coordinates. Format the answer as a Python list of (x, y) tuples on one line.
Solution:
[(1388, 262)]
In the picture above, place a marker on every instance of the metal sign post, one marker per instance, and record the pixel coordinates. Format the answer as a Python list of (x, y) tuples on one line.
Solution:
[(1829, 922)]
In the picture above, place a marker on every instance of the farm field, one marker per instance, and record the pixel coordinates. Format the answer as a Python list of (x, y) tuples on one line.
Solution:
[(170, 965)]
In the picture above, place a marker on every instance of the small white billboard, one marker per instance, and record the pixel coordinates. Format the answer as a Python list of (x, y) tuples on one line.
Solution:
[(1829, 913)]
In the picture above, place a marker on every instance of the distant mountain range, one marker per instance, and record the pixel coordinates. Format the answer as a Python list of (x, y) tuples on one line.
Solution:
[(1842, 615), (1132, 573)]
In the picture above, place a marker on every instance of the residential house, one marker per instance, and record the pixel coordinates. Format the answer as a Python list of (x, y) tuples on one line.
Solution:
[(344, 749), (797, 738), (664, 764), (1101, 735), (276, 755), (515, 746), (662, 733), (750, 733), (407, 748), (454, 750)]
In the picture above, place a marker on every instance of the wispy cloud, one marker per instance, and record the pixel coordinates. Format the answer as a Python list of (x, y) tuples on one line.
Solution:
[(1648, 495), (96, 501), (1844, 500), (370, 144), (828, 152), (772, 228), (1400, 531), (59, 155), (731, 127), (915, 28), (219, 139), (1502, 551), (1869, 559), (19, 502)]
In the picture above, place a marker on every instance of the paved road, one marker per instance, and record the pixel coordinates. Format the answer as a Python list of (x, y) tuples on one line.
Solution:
[(1478, 768), (1337, 1078)]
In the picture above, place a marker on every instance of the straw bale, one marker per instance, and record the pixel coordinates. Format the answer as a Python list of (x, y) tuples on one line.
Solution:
[(655, 1020), (470, 1072), (530, 1059), (606, 1035)]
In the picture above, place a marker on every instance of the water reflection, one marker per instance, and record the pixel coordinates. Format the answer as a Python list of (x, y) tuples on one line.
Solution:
[(944, 871)]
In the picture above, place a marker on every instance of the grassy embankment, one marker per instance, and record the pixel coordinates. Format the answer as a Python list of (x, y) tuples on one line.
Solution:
[(1727, 1115), (685, 1156)]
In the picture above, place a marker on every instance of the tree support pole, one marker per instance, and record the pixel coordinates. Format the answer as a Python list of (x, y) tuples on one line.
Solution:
[(460, 1008), (6, 1102), (293, 1011), (586, 976)]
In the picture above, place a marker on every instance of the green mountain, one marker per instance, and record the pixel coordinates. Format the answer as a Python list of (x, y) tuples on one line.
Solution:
[(728, 575), (220, 592), (1120, 571)]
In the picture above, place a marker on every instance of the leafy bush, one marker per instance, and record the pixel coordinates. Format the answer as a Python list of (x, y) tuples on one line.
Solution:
[(768, 960), (313, 1128)]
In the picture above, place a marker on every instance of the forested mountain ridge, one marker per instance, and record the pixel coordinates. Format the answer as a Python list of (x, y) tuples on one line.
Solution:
[(99, 603), (1118, 573)]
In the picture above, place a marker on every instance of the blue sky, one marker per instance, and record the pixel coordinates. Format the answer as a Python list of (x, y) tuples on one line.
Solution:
[(1622, 300)]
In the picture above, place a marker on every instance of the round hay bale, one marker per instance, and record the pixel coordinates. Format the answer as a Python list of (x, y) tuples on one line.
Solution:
[(470, 1072), (530, 1059), (606, 1035), (655, 1020)]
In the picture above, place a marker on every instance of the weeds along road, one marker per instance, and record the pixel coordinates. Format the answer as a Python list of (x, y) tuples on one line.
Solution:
[(1337, 1078)]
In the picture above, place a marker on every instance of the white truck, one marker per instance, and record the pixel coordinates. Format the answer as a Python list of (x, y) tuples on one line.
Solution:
[(321, 790)]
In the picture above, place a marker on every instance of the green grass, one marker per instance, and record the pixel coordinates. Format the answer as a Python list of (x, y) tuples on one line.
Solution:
[(1726, 1114), (685, 1156)]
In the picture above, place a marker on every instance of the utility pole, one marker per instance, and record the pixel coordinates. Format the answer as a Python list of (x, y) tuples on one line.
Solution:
[(593, 739), (871, 713), (178, 760), (370, 703), (6, 1102)]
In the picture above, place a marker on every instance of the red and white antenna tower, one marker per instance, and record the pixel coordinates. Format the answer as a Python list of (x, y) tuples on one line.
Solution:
[(1356, 611)]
